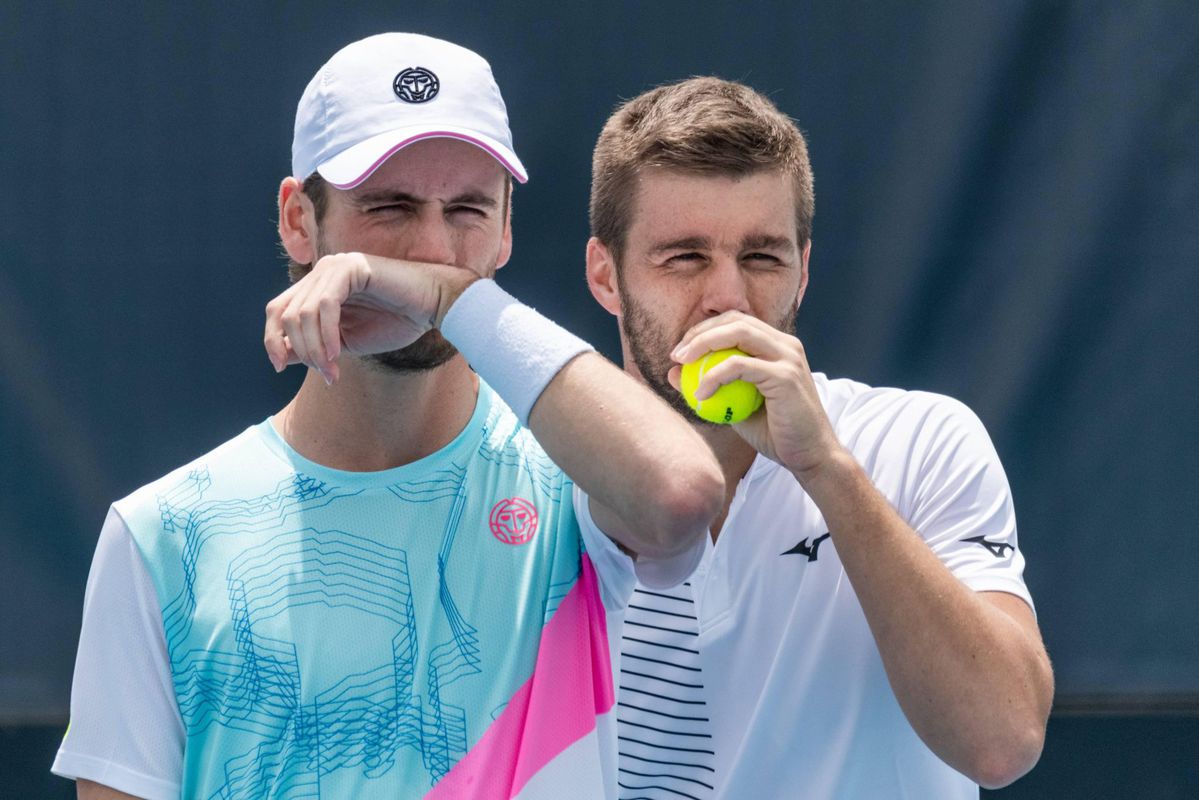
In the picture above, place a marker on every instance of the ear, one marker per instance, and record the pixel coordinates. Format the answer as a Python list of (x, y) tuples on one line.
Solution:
[(297, 222), (601, 276), (803, 272)]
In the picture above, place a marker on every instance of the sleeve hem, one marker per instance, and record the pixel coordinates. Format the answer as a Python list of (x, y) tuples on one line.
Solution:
[(993, 583), (74, 766)]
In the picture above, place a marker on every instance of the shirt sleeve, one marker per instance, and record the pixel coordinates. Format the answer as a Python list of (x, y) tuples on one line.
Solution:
[(618, 571), (125, 731), (959, 500)]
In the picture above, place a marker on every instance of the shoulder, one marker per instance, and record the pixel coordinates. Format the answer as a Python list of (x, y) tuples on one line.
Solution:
[(855, 408), (243, 454), (903, 437), (507, 443)]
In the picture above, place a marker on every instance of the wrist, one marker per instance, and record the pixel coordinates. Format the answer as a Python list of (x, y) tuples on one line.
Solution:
[(513, 348), (451, 286), (836, 466)]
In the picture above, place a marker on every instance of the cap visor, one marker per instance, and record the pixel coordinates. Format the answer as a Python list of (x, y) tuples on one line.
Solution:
[(354, 165)]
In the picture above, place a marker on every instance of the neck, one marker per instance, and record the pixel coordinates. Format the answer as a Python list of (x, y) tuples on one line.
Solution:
[(373, 420), (735, 456)]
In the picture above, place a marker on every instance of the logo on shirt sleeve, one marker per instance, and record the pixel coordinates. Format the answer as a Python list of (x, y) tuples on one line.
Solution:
[(513, 521), (994, 548)]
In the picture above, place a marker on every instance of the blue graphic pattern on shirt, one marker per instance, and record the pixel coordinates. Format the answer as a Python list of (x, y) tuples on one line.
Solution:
[(268, 596)]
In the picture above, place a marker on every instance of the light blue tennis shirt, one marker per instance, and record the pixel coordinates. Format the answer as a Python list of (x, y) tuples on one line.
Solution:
[(377, 635)]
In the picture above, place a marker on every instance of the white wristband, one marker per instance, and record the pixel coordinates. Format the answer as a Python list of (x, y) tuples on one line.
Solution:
[(512, 347)]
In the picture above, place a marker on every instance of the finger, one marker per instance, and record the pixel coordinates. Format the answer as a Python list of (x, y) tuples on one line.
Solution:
[(774, 379), (329, 322), (733, 368), (320, 316), (297, 323), (675, 377), (292, 358), (706, 325), (745, 333), (273, 337)]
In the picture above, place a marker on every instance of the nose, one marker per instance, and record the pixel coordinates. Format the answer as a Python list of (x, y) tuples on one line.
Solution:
[(724, 287), (430, 239)]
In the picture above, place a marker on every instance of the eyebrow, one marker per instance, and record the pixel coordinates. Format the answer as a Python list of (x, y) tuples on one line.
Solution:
[(757, 241), (686, 243), (385, 196), (766, 241)]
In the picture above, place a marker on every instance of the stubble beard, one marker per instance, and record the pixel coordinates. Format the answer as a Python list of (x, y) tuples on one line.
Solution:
[(650, 345)]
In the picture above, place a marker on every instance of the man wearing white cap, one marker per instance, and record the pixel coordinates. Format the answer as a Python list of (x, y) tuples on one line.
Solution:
[(383, 591)]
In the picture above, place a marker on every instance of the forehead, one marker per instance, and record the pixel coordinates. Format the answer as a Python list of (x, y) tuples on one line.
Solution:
[(436, 168), (675, 204)]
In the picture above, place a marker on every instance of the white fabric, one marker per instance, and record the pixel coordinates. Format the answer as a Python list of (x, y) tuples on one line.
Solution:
[(624, 571), (509, 344), (798, 698), (123, 708), (663, 716)]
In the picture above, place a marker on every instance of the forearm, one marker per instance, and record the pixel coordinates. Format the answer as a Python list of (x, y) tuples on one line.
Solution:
[(971, 676), (86, 790), (654, 483)]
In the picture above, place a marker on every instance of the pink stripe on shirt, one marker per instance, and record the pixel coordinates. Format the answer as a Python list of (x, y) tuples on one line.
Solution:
[(571, 685)]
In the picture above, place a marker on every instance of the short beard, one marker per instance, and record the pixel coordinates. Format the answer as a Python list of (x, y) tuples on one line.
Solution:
[(428, 352), (651, 345)]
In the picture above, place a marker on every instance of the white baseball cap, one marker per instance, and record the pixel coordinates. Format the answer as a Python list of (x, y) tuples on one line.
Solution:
[(381, 94)]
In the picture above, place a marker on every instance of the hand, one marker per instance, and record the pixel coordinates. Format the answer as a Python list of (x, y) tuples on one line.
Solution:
[(791, 427), (358, 303)]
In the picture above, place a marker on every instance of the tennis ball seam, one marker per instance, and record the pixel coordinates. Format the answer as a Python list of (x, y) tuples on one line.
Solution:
[(703, 370)]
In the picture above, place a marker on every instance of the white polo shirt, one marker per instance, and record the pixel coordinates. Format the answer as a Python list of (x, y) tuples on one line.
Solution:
[(760, 677)]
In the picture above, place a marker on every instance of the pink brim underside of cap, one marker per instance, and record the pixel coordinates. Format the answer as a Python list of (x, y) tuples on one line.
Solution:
[(516, 173)]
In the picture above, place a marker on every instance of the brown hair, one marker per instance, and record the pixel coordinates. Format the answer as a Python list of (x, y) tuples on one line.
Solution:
[(705, 125)]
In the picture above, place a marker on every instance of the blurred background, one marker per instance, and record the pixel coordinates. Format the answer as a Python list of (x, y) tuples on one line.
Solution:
[(1007, 211)]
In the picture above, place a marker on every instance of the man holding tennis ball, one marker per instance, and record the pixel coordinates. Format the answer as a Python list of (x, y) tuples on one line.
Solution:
[(858, 625)]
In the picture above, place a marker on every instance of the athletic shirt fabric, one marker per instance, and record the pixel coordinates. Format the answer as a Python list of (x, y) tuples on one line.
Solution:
[(665, 727), (434, 630), (787, 695)]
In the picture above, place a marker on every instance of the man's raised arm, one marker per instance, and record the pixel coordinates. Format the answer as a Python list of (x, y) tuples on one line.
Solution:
[(653, 482)]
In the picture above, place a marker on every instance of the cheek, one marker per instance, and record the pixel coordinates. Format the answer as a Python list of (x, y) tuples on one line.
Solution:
[(775, 299)]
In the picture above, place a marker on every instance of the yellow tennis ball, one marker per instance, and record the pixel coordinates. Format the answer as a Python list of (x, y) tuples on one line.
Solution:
[(731, 403)]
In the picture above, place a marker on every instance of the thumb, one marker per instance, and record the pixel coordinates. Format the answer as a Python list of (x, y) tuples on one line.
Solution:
[(674, 377)]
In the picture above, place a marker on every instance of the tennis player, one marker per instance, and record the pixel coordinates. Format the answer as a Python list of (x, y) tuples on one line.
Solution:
[(858, 626), (382, 591)]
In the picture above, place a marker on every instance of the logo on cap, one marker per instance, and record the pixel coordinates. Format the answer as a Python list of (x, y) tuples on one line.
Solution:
[(416, 85)]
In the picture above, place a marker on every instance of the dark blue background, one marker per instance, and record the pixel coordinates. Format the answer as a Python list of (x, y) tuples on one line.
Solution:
[(1007, 212)]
